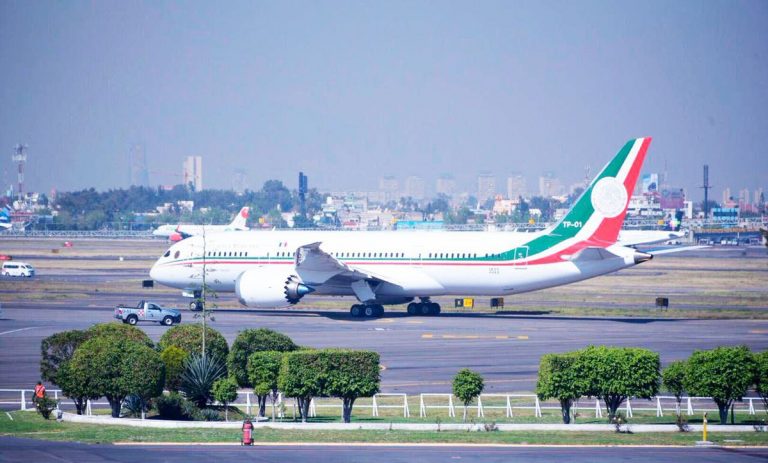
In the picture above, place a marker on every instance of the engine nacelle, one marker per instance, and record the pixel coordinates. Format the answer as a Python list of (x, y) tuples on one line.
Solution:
[(266, 288)]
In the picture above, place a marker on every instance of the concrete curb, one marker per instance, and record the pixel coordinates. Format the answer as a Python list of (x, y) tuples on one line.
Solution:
[(469, 427)]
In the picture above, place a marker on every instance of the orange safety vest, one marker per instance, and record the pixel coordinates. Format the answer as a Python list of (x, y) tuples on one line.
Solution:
[(39, 391)]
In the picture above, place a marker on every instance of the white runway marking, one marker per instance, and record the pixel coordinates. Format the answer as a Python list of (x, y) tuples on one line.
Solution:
[(14, 331)]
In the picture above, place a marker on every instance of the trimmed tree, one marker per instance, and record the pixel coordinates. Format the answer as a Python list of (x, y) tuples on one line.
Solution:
[(301, 377), (255, 340), (55, 351), (121, 331), (617, 373), (467, 386), (115, 367), (673, 378), (350, 374), (723, 373), (174, 358), (263, 372), (225, 392), (559, 378), (190, 339), (761, 377)]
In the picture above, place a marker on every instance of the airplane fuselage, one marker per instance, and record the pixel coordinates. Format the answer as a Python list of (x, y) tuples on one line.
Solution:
[(425, 263)]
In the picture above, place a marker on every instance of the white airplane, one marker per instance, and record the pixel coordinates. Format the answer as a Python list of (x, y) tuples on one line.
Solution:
[(640, 237), (181, 231), (270, 269)]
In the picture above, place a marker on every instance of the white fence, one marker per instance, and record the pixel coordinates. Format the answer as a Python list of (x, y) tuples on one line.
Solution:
[(430, 402)]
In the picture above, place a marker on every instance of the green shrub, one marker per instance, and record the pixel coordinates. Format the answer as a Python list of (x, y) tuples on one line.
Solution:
[(174, 407), (616, 373), (560, 378), (263, 371), (254, 340), (115, 367), (467, 385), (225, 392), (190, 339), (174, 358), (723, 373), (120, 331)]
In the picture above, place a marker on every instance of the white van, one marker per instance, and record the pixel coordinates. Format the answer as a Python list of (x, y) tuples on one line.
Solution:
[(17, 269)]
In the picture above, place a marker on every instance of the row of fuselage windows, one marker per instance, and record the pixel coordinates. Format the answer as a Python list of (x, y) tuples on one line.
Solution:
[(352, 255)]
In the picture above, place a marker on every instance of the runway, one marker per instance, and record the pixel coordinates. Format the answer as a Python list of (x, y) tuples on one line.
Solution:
[(420, 354)]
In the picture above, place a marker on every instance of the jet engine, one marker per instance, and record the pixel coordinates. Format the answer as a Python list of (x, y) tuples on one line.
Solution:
[(267, 288)]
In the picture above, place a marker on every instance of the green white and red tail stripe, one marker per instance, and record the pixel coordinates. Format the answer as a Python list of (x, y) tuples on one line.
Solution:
[(598, 214)]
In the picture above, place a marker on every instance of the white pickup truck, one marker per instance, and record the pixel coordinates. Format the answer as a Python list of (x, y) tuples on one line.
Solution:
[(149, 312)]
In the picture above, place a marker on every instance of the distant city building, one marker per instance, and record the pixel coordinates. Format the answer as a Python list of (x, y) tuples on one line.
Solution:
[(650, 183), (137, 159), (672, 198), (758, 197), (415, 187), (390, 188), (549, 185), (505, 206), (486, 187), (193, 172), (726, 195), (516, 186), (446, 185)]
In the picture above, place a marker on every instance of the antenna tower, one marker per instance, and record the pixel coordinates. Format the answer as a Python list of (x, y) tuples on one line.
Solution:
[(20, 157), (706, 187)]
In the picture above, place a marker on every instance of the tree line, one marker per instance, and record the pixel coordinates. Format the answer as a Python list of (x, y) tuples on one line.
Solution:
[(120, 362), (614, 374)]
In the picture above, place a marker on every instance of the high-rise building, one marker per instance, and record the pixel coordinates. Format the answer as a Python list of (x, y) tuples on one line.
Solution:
[(415, 187), (446, 185), (193, 173), (486, 187), (137, 159), (549, 185), (726, 195), (390, 188), (516, 186)]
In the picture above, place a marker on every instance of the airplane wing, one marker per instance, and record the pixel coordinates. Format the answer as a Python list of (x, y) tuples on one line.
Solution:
[(316, 267), (672, 250)]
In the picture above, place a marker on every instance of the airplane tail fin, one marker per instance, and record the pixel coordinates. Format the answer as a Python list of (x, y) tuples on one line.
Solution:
[(239, 223), (597, 216)]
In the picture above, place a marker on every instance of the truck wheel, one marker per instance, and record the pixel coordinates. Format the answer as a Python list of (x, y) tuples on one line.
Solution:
[(132, 319), (167, 321)]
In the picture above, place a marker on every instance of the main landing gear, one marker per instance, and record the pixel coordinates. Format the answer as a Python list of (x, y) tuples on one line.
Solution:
[(366, 310), (425, 307)]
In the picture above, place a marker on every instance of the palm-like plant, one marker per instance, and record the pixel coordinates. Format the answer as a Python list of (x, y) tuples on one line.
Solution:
[(200, 372)]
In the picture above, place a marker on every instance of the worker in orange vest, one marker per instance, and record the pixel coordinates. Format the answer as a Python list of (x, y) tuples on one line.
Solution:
[(39, 391)]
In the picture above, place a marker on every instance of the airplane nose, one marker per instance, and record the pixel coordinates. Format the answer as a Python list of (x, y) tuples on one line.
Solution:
[(154, 273)]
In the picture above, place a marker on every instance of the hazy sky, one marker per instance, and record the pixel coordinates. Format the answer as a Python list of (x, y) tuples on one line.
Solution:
[(348, 91)]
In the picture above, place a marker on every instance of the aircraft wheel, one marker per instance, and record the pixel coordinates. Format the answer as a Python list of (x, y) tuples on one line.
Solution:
[(434, 308), (413, 308), (379, 310), (425, 309), (369, 311), (356, 310)]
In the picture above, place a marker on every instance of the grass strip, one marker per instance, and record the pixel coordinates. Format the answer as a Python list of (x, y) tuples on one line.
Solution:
[(31, 425)]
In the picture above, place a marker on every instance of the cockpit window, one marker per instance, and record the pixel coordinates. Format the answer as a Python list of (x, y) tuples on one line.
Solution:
[(167, 253), (176, 255)]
